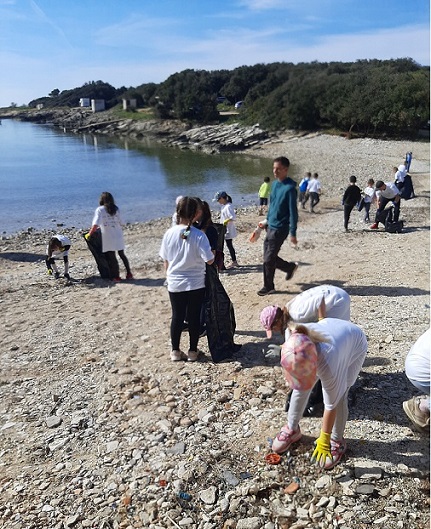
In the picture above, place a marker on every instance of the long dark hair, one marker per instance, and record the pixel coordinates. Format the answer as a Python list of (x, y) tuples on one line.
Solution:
[(187, 209), (107, 200), (205, 219)]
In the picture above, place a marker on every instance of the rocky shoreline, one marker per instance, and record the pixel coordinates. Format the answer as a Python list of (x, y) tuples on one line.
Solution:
[(210, 138)]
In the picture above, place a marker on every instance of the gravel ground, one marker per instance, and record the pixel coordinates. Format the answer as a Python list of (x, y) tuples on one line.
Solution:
[(99, 429)]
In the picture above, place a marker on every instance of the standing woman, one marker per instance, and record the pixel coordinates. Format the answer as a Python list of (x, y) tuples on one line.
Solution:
[(227, 218), (107, 217), (185, 250)]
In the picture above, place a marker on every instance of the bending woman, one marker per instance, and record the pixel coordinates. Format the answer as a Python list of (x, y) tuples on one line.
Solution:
[(312, 305)]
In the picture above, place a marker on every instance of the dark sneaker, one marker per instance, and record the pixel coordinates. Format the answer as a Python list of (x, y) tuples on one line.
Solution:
[(129, 276), (57, 275), (264, 291), (67, 276), (291, 272), (285, 438)]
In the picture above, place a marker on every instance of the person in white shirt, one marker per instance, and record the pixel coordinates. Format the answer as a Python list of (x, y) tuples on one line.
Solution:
[(58, 248), (185, 249), (369, 198), (107, 217), (313, 192), (332, 350), (400, 175), (323, 301), (417, 367), (386, 192), (227, 218)]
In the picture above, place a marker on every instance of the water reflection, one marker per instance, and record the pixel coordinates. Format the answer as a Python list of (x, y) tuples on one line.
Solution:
[(48, 175)]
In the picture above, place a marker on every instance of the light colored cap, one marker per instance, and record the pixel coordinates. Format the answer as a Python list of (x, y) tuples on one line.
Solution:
[(267, 317), (299, 361)]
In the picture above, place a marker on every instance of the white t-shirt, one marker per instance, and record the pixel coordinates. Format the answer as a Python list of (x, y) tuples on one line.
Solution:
[(111, 227), (399, 176), (65, 241), (390, 192), (228, 212), (313, 185), (303, 308), (186, 258), (369, 193), (418, 359), (339, 361)]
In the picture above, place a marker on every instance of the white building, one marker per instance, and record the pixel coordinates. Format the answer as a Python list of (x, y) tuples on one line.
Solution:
[(97, 105)]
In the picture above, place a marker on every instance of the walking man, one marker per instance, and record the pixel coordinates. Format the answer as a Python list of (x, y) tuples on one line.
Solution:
[(282, 219)]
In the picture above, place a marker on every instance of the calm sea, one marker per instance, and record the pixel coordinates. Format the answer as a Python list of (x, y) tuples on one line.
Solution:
[(48, 177)]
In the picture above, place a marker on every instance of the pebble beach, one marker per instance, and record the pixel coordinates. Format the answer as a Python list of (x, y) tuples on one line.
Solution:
[(99, 429)]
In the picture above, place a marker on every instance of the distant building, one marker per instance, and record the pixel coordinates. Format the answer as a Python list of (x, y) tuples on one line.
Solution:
[(97, 105), (129, 103), (39, 106), (84, 102)]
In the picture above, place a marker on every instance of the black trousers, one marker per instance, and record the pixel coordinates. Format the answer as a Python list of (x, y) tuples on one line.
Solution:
[(111, 259), (186, 305), (347, 210), (229, 244), (271, 261), (382, 204)]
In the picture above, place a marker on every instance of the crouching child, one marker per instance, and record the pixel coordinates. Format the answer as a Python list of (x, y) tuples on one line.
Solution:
[(58, 248)]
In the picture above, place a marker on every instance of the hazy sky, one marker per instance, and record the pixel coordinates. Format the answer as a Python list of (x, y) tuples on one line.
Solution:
[(48, 44)]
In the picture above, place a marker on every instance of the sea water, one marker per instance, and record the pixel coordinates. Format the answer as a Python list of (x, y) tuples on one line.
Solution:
[(51, 178)]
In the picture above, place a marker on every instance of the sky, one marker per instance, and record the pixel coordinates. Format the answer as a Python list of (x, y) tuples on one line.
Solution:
[(50, 44)]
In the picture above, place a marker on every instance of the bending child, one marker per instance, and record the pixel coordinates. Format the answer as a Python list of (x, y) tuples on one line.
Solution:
[(58, 248), (332, 350)]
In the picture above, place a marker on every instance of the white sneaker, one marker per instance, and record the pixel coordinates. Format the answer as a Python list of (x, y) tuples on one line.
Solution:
[(192, 356), (176, 356)]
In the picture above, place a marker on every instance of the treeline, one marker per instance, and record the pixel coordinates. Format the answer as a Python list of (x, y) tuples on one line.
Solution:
[(369, 97)]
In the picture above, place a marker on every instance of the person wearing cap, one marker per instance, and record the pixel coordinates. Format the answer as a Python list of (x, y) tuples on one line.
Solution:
[(310, 306), (227, 218), (282, 219), (332, 350), (386, 192)]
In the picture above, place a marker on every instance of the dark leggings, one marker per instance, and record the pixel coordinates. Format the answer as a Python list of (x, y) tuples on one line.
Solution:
[(114, 269), (186, 305), (125, 261), (347, 210), (229, 244)]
